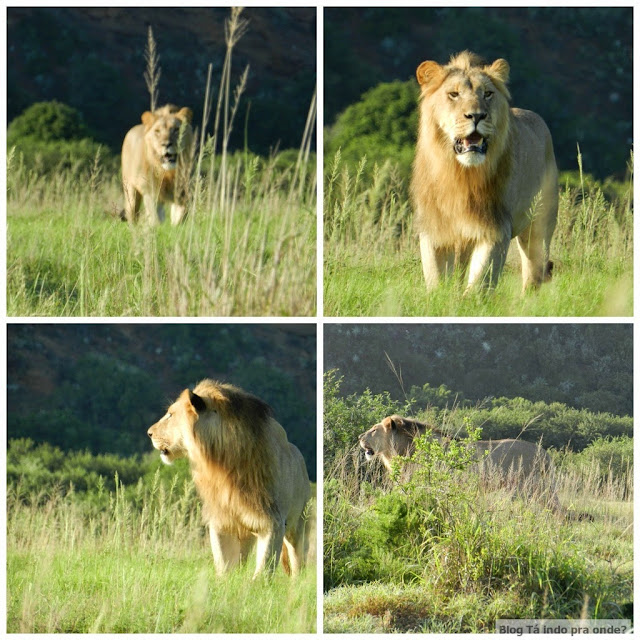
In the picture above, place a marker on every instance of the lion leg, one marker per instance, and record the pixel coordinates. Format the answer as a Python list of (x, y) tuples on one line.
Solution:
[(269, 548), (295, 547), (178, 212), (534, 254), (436, 262), (152, 209), (132, 202), (487, 261), (226, 549)]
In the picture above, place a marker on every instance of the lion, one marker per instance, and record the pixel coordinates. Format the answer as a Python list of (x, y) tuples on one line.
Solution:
[(483, 173), (524, 463), (252, 481), (155, 164)]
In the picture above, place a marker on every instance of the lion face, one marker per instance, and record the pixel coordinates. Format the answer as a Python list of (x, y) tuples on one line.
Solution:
[(162, 135), (171, 434), (386, 439), (467, 116), (469, 104)]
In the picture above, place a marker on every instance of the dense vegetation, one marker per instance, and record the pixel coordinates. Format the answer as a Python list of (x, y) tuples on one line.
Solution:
[(99, 387), (584, 366), (95, 63), (440, 552), (106, 544)]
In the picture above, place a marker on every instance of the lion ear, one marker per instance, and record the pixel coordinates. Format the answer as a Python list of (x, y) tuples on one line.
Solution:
[(389, 423), (430, 73), (148, 119), (500, 70), (197, 402), (185, 114)]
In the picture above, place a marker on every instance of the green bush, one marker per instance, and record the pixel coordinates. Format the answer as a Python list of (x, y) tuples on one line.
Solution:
[(39, 471), (47, 122), (611, 457), (382, 126), (52, 136)]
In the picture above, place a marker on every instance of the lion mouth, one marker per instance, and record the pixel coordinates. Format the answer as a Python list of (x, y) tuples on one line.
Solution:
[(169, 160), (369, 453), (473, 143)]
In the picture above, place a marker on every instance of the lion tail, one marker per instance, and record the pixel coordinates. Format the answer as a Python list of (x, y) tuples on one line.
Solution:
[(548, 272)]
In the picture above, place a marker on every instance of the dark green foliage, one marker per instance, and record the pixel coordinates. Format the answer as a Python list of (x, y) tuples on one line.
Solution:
[(98, 67), (581, 366), (51, 136), (381, 126), (46, 122), (549, 60), (41, 470), (106, 385)]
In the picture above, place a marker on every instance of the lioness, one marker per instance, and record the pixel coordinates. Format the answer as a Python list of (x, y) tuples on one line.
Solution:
[(155, 161), (483, 174), (524, 461)]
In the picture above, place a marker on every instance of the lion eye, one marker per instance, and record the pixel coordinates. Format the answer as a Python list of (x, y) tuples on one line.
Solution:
[(168, 416), (453, 94), (488, 94)]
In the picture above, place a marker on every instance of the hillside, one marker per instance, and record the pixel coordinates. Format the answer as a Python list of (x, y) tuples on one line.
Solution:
[(583, 366), (99, 387), (93, 59), (574, 66)]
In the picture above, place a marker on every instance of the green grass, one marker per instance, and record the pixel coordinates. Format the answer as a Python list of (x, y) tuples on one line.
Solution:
[(372, 259), (454, 558), (137, 569), (66, 256)]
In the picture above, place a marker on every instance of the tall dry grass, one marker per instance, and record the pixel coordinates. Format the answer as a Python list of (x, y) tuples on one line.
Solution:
[(247, 247)]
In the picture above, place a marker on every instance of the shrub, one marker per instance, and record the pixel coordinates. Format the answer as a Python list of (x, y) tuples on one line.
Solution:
[(52, 136), (46, 122), (611, 458), (381, 126)]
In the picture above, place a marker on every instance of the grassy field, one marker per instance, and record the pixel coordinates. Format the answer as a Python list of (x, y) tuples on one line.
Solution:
[(372, 259), (140, 565), (455, 558), (248, 247), (253, 255)]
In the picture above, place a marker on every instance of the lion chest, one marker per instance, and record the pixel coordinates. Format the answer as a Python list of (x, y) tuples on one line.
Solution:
[(160, 182), (227, 505)]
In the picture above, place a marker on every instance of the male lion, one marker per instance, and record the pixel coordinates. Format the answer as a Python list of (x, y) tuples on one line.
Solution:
[(253, 482), (155, 164), (483, 174), (518, 460)]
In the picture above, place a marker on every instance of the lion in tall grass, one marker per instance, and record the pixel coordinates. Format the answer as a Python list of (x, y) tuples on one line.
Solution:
[(156, 156), (483, 173), (522, 463), (253, 482)]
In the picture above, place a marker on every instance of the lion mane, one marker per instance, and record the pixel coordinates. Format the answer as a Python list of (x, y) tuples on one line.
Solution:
[(483, 174), (516, 462), (252, 481), (156, 159)]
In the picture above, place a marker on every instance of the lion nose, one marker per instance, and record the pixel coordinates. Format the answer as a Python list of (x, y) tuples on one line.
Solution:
[(476, 117), (150, 432)]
